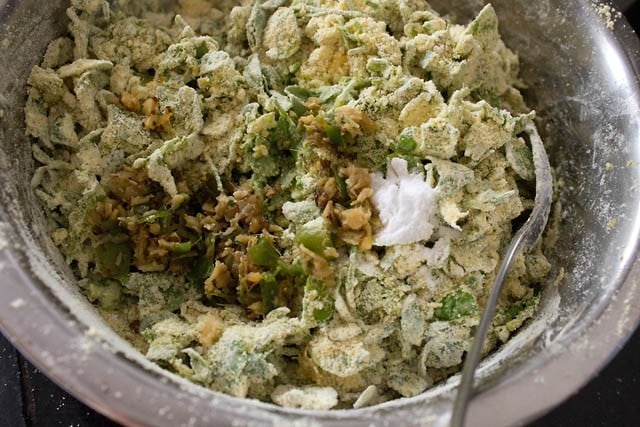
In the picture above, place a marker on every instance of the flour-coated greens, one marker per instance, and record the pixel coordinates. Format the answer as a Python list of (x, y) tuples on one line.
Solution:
[(300, 201)]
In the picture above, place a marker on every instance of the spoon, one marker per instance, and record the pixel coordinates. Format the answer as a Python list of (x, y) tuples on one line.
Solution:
[(524, 240)]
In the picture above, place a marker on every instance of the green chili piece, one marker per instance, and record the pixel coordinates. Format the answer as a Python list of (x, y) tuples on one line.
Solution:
[(316, 240), (293, 270), (269, 291), (406, 144), (201, 270), (299, 92), (264, 254), (159, 216), (455, 306), (351, 41), (335, 135), (322, 295), (201, 50), (329, 92), (377, 65), (298, 107), (513, 310), (203, 267), (293, 68), (323, 314), (285, 134), (181, 248), (412, 161)]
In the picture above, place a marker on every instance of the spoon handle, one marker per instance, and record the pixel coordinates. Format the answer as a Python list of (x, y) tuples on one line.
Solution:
[(524, 239)]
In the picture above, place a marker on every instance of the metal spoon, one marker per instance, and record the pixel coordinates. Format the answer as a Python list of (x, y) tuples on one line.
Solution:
[(525, 239)]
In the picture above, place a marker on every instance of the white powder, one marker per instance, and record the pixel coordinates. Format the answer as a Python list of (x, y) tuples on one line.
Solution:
[(406, 204)]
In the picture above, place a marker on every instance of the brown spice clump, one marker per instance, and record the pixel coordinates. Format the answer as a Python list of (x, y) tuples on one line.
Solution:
[(130, 185), (352, 222), (326, 191), (241, 212), (355, 219), (358, 181), (237, 220), (313, 104), (148, 256), (106, 210), (130, 102), (150, 106), (353, 121), (154, 120), (210, 328), (219, 280), (314, 133)]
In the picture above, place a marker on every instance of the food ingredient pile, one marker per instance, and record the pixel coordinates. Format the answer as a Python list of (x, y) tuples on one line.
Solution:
[(302, 201)]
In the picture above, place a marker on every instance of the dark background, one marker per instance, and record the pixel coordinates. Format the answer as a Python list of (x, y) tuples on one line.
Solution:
[(28, 398)]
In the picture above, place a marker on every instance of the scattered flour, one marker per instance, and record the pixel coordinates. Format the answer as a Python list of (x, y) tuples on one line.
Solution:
[(18, 303), (608, 14)]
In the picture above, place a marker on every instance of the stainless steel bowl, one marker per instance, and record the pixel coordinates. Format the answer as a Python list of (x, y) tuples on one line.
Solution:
[(583, 81)]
